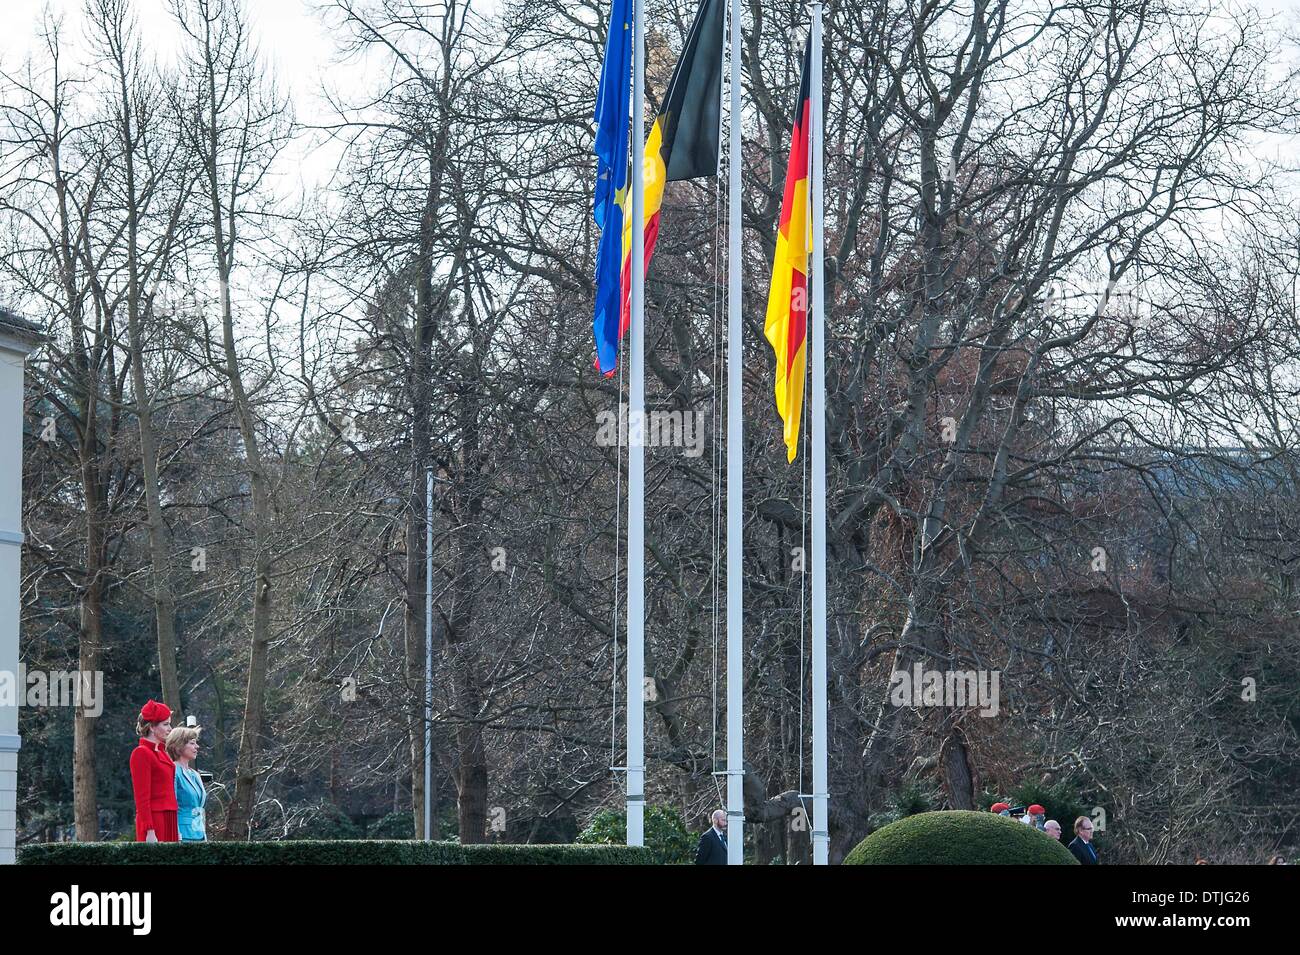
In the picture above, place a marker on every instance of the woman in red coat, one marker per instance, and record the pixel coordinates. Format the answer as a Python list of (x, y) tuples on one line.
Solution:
[(153, 777)]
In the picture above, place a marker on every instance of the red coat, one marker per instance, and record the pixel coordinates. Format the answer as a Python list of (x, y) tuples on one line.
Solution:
[(153, 778)]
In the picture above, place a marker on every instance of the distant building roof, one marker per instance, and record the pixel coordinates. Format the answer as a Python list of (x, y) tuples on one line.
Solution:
[(20, 328)]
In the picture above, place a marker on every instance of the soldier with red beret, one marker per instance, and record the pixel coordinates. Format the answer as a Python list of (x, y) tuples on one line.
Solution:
[(153, 777)]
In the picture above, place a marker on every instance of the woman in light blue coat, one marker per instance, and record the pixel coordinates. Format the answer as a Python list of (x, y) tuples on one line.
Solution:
[(191, 794)]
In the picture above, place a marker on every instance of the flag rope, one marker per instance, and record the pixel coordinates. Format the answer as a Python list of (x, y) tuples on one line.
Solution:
[(722, 251), (715, 470), (618, 556), (804, 548)]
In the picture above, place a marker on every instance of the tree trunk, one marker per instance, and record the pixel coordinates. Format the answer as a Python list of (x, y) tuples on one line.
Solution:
[(240, 813), (221, 137), (472, 769), (471, 778), (954, 760), (414, 633), (86, 387), (421, 394), (85, 803), (159, 535)]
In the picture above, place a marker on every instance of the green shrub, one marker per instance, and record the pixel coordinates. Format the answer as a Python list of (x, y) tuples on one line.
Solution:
[(908, 801), (666, 835), (1061, 801), (395, 825), (959, 837), (342, 852), (326, 821)]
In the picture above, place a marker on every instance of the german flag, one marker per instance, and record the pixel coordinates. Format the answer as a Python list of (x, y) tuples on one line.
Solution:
[(683, 142), (786, 327)]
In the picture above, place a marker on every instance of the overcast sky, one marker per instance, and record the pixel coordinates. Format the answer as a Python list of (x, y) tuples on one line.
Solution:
[(293, 38), (289, 32), (297, 42)]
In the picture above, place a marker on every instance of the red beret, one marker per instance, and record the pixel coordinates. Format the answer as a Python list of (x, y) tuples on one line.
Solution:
[(1036, 810), (998, 807), (155, 712)]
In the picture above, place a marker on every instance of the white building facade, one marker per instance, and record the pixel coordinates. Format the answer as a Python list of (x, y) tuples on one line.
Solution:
[(17, 339)]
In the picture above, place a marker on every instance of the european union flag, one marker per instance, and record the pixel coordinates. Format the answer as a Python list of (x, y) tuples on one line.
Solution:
[(613, 126)]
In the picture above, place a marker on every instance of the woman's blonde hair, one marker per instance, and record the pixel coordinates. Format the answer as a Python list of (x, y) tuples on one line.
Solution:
[(179, 738)]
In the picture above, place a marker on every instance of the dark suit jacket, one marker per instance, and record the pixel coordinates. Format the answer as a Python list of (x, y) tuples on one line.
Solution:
[(1083, 851), (711, 850)]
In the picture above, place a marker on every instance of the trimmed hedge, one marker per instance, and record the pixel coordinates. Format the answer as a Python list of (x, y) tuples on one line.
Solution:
[(340, 852), (959, 837)]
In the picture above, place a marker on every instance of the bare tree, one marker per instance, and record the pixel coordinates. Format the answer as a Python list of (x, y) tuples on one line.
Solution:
[(55, 188), (154, 186), (1062, 352), (237, 126)]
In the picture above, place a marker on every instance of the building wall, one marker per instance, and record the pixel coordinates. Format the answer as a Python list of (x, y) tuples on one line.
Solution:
[(12, 354)]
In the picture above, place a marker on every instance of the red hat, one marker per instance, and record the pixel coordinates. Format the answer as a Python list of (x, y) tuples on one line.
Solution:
[(999, 807), (1036, 810), (155, 712)]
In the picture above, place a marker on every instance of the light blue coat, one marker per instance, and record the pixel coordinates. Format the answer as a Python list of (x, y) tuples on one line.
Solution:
[(191, 798)]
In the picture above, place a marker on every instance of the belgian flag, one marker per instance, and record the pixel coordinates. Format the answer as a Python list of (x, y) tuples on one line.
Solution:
[(786, 326), (683, 142)]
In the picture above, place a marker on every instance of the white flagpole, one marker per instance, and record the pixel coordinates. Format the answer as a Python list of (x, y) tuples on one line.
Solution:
[(820, 834), (428, 654), (735, 479), (636, 456)]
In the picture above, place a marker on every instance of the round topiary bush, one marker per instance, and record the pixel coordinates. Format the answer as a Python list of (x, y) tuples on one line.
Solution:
[(959, 838)]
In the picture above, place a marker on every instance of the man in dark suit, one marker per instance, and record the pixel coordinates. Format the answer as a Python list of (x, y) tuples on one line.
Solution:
[(1081, 846), (713, 844)]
